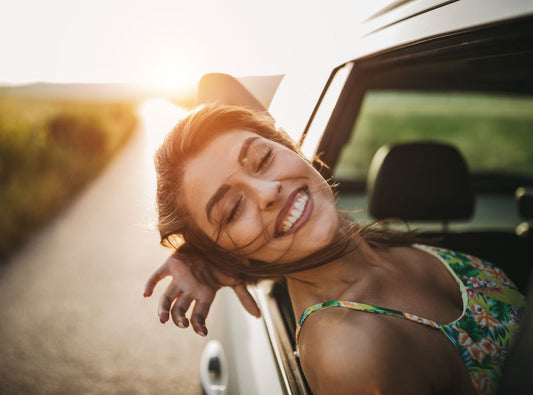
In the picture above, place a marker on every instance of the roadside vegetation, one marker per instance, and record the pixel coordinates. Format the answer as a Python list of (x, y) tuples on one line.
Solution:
[(49, 150)]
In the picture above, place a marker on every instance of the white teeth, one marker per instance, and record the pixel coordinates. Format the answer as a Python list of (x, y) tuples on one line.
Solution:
[(295, 212)]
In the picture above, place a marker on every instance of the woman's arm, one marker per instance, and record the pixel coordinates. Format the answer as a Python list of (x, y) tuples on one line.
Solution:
[(184, 288)]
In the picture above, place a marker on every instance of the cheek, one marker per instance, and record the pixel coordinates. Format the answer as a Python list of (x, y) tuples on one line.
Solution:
[(317, 183), (247, 235), (324, 222), (325, 233)]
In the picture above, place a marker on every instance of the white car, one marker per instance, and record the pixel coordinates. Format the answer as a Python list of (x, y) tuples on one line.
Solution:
[(446, 87)]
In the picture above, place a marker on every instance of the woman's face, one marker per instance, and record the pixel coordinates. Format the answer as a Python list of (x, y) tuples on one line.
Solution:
[(259, 198)]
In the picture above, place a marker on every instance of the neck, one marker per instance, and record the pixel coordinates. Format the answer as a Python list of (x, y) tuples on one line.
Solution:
[(330, 281)]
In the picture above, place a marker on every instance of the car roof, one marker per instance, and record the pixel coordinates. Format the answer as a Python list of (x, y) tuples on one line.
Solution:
[(399, 23)]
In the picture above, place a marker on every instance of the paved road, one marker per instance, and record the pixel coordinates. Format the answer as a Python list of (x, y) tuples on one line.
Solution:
[(73, 319)]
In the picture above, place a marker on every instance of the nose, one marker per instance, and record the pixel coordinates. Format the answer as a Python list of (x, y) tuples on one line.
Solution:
[(266, 192)]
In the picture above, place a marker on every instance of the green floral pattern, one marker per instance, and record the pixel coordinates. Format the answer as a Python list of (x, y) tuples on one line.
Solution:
[(492, 307)]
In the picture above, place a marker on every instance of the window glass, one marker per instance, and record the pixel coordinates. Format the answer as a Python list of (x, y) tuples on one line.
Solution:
[(493, 132), (321, 118)]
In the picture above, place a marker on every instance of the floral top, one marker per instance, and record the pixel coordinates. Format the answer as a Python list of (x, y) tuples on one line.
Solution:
[(492, 307)]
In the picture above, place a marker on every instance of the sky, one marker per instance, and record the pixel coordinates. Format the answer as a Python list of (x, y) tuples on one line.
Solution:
[(166, 43)]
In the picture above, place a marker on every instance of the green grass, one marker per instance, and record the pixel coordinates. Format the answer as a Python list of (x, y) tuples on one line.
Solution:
[(494, 134), (48, 152)]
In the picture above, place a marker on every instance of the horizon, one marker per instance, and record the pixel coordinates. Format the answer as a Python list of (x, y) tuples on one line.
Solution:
[(165, 44)]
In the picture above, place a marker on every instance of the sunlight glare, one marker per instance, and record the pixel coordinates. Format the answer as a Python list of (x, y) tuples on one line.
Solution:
[(170, 81), (158, 116)]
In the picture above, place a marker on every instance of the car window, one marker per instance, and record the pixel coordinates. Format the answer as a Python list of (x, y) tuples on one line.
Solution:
[(324, 110), (494, 132)]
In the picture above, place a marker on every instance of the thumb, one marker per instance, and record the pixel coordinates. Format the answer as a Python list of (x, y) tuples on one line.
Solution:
[(247, 300)]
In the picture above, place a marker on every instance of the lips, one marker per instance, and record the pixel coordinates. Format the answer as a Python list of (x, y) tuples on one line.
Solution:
[(294, 213)]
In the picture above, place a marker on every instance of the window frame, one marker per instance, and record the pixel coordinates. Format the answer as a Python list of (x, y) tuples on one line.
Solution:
[(495, 40)]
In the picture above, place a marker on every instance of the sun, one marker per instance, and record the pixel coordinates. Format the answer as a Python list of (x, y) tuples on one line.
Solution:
[(173, 81)]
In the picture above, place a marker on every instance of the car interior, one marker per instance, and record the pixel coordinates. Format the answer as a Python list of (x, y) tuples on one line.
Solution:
[(431, 182)]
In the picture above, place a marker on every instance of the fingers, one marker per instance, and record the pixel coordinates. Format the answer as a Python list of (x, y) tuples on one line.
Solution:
[(164, 307), (179, 309), (247, 300), (183, 289), (158, 275), (199, 315), (165, 302)]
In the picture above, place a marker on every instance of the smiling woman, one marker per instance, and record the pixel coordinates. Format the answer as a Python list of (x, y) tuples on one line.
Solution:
[(239, 203), (239, 181), (262, 201)]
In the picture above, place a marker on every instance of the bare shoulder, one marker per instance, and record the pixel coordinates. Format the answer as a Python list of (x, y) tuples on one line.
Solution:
[(345, 352)]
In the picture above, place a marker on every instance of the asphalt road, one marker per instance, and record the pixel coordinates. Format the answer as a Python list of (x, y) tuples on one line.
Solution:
[(72, 316)]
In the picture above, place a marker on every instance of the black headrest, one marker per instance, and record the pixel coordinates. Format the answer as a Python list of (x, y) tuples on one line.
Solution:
[(422, 181)]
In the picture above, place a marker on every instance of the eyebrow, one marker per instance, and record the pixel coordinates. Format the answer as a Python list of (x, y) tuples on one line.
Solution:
[(244, 149)]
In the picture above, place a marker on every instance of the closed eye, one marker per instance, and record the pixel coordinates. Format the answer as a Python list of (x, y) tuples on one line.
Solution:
[(234, 210), (267, 154)]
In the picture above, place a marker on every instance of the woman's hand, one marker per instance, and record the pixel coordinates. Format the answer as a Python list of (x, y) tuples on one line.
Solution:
[(185, 288)]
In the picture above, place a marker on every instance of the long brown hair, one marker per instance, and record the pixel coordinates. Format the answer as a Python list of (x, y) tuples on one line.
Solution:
[(179, 231)]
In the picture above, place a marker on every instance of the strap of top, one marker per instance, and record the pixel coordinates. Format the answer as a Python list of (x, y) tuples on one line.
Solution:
[(436, 252), (360, 307)]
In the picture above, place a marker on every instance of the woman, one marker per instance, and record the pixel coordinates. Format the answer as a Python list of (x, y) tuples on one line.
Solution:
[(239, 203)]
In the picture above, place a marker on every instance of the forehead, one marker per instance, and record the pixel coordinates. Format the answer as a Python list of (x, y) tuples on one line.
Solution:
[(210, 168)]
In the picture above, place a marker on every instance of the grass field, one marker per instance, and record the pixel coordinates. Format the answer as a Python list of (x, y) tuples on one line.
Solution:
[(49, 150), (494, 133)]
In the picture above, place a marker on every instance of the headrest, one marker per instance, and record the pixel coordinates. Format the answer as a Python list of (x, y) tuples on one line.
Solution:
[(423, 181)]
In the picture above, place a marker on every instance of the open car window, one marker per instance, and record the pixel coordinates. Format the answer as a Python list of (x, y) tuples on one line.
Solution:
[(473, 90), (493, 132)]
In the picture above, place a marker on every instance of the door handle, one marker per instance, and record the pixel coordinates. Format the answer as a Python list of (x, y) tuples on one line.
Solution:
[(213, 369)]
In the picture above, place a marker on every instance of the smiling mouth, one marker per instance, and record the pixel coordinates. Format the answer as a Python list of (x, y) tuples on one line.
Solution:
[(295, 212)]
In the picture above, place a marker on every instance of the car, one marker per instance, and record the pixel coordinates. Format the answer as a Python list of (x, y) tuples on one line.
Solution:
[(426, 118)]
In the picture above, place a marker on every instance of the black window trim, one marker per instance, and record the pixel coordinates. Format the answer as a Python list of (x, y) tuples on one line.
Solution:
[(509, 37)]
